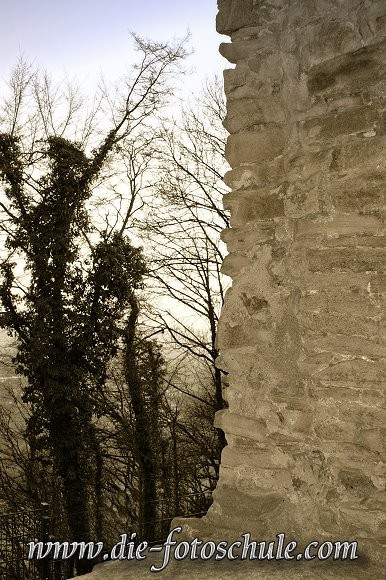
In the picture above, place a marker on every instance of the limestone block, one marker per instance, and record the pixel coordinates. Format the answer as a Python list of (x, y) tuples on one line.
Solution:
[(351, 369), (252, 176), (371, 153), (348, 73), (246, 49), (246, 113), (346, 259), (255, 146), (252, 206), (326, 37), (234, 15), (245, 239), (358, 120), (234, 78), (334, 230), (364, 194)]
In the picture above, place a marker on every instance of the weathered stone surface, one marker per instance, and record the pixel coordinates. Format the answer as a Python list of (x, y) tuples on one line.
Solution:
[(252, 206), (349, 73), (255, 146), (235, 570), (234, 15), (302, 331)]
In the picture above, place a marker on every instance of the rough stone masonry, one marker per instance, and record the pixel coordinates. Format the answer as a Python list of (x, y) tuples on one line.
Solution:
[(302, 333)]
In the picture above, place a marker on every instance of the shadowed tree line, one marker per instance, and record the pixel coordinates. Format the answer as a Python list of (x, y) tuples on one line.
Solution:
[(114, 424)]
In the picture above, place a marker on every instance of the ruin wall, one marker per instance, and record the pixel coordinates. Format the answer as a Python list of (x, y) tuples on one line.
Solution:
[(301, 334)]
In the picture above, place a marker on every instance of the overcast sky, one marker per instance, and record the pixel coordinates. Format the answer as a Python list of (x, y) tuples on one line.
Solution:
[(81, 38)]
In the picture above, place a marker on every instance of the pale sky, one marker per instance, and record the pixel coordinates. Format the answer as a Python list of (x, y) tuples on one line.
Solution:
[(81, 38)]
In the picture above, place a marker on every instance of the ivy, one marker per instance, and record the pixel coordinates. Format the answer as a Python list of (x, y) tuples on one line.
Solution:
[(69, 321)]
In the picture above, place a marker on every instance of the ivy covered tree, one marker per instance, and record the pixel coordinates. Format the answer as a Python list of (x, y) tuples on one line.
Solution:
[(68, 320), (144, 375)]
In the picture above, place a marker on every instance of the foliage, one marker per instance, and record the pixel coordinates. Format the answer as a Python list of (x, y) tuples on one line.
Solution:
[(68, 319)]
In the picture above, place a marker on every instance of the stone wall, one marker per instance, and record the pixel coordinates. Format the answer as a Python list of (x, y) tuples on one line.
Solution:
[(301, 333)]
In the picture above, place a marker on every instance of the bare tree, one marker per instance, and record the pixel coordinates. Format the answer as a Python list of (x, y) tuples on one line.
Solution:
[(184, 227)]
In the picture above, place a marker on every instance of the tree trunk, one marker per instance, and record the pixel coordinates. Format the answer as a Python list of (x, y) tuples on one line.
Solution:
[(143, 438)]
